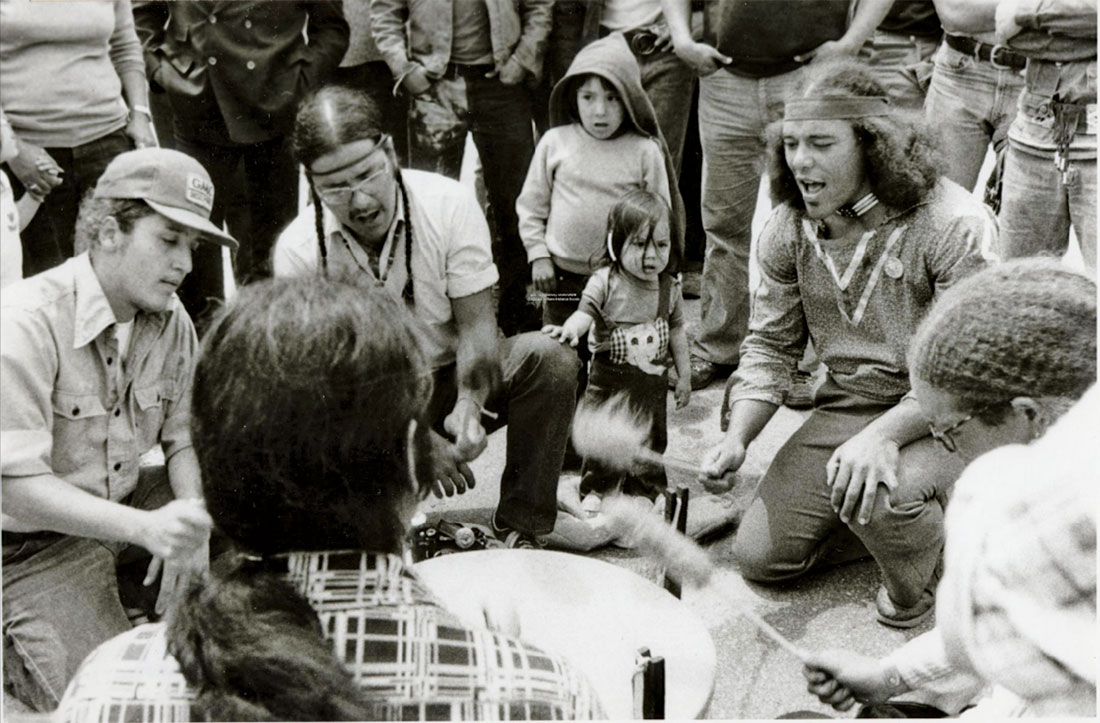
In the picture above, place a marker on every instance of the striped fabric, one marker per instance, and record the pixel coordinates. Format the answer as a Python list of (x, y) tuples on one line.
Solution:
[(410, 655)]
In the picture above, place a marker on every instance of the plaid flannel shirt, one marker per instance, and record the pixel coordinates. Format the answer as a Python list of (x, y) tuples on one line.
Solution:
[(1017, 604), (409, 654)]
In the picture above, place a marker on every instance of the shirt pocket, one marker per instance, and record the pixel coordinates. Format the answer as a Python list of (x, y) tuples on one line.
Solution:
[(79, 431), (149, 409)]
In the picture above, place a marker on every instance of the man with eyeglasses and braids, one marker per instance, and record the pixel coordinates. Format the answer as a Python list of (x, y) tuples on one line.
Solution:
[(423, 237)]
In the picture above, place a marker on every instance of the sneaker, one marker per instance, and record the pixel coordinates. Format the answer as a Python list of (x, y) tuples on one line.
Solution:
[(893, 616), (704, 372), (801, 394), (514, 538)]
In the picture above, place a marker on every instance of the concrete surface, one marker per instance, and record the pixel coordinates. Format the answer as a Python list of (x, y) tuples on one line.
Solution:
[(834, 608)]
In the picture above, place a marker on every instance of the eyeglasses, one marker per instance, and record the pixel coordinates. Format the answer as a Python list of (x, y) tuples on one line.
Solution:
[(342, 195), (946, 438)]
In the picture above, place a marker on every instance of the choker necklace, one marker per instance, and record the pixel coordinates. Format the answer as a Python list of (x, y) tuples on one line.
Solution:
[(858, 208)]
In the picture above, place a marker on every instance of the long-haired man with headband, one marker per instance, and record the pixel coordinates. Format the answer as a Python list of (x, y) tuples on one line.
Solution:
[(864, 238)]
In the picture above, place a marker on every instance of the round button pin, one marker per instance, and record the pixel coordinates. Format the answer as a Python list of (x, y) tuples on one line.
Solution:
[(894, 268)]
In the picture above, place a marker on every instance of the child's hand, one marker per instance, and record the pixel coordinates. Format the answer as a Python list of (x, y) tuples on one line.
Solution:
[(682, 391), (562, 333), (543, 276)]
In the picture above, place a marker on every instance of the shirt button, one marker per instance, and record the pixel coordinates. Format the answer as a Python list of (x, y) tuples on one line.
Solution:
[(76, 411), (118, 466), (248, 23), (212, 60), (895, 680), (213, 19), (110, 360), (251, 65), (118, 412)]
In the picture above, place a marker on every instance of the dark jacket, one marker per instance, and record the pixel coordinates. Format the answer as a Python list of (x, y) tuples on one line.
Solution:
[(250, 55)]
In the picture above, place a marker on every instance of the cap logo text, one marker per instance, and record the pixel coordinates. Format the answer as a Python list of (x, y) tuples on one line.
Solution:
[(200, 191)]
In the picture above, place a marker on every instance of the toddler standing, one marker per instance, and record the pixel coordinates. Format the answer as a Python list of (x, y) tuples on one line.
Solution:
[(605, 142), (632, 310)]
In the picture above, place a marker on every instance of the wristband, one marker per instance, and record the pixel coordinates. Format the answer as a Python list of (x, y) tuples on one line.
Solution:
[(143, 109)]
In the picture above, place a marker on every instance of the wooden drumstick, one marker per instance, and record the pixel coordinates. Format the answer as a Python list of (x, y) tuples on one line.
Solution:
[(616, 435), (684, 560)]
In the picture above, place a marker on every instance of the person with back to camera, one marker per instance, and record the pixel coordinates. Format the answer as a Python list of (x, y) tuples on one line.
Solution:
[(632, 311), (604, 143), (997, 361), (864, 237), (311, 427)]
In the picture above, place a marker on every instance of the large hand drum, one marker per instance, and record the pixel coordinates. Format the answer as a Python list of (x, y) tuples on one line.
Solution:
[(593, 613)]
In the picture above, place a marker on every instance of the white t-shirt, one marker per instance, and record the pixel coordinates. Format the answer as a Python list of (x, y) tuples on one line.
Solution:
[(452, 254)]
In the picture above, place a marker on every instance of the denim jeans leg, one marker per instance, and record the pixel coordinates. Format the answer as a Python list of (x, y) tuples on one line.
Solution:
[(965, 109), (733, 114), (669, 83), (901, 64), (501, 123), (60, 602), (540, 379), (1082, 209), (1035, 214)]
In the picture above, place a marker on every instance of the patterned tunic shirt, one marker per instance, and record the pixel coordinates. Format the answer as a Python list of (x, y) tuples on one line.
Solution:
[(412, 657)]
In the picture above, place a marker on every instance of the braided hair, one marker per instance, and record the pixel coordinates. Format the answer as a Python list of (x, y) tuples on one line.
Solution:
[(328, 118)]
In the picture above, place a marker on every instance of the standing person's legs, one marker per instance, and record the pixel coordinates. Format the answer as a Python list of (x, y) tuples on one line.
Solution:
[(204, 288), (271, 185), (1035, 215), (901, 63), (967, 105), (669, 82), (540, 378), (1082, 209), (733, 113), (500, 119), (48, 239)]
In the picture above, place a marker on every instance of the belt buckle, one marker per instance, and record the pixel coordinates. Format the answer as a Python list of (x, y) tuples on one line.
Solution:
[(993, 57)]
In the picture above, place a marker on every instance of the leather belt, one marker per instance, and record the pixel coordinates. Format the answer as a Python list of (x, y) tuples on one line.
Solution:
[(998, 56)]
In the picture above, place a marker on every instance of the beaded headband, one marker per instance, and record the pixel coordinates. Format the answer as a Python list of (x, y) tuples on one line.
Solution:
[(847, 108)]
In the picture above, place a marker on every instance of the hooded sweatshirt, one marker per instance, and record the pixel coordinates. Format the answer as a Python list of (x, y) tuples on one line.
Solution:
[(575, 179)]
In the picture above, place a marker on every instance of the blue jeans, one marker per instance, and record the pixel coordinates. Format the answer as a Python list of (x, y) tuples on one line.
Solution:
[(970, 104), (536, 401), (733, 114), (901, 63), (499, 117), (1038, 208), (61, 601), (790, 525)]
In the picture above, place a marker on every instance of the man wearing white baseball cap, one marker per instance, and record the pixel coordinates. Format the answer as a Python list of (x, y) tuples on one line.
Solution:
[(96, 359)]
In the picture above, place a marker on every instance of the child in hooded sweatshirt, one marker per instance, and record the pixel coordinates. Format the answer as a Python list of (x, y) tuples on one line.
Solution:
[(633, 307), (604, 143)]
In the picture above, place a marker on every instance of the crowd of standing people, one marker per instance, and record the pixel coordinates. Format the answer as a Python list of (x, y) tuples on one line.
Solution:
[(142, 140)]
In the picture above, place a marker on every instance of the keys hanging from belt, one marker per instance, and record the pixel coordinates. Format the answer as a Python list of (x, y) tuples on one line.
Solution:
[(1067, 118)]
